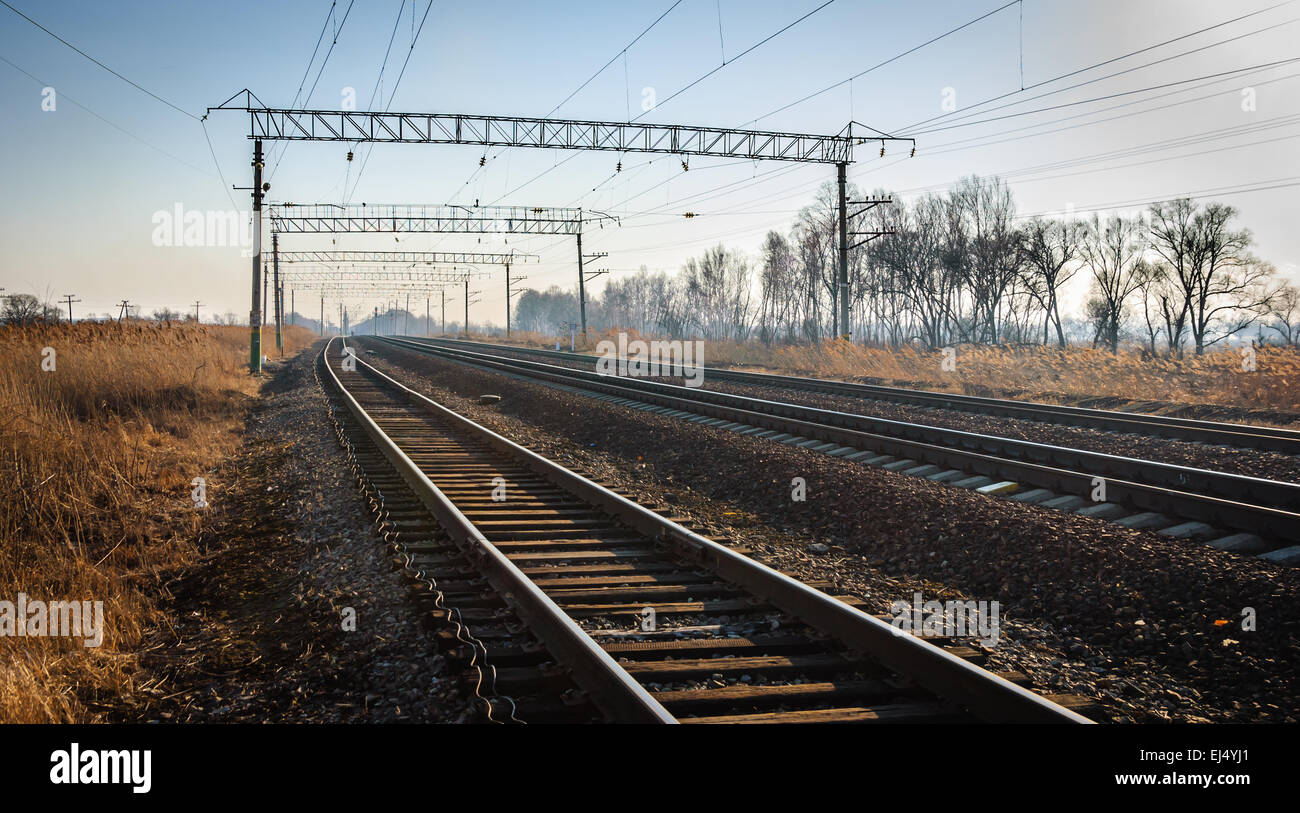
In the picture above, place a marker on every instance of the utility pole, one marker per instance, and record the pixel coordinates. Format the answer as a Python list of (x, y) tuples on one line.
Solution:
[(122, 306), (467, 304), (843, 284), (322, 314), (582, 278), (845, 216), (427, 323), (68, 298), (279, 304), (406, 320), (444, 311), (293, 307), (255, 316), (197, 305), (582, 281), (510, 295)]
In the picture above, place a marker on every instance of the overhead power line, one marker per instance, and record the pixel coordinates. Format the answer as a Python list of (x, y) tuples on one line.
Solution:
[(878, 65), (1116, 95), (969, 114), (133, 84), (1101, 64)]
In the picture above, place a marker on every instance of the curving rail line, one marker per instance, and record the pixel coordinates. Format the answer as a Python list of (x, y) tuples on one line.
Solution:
[(580, 565)]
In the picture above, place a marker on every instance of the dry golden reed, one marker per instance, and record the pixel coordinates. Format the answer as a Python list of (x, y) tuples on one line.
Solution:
[(96, 459)]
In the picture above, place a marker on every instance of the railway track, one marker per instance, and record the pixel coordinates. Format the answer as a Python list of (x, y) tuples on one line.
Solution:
[(555, 574), (1232, 512), (1264, 438)]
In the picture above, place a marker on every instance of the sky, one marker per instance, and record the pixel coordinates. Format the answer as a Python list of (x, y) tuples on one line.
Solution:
[(89, 181)]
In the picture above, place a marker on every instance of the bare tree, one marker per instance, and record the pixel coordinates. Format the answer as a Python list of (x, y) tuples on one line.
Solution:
[(1111, 250), (985, 208), (25, 310), (1218, 288), (1048, 250), (1153, 285), (1286, 314)]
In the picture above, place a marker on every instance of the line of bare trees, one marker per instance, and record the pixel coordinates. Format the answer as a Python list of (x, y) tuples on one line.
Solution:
[(962, 267)]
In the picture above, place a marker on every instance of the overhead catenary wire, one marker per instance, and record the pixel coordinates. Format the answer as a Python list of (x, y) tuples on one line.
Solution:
[(687, 87), (1095, 65), (409, 51), (283, 146), (1121, 73), (130, 82)]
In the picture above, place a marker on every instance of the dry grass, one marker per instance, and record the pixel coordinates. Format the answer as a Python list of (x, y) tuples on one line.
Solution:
[(1045, 373), (96, 459)]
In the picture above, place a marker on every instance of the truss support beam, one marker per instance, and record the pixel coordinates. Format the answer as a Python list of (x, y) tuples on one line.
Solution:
[(409, 258), (332, 219), (565, 134)]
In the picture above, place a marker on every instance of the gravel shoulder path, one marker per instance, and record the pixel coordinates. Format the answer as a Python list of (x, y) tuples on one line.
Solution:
[(256, 629), (1148, 626)]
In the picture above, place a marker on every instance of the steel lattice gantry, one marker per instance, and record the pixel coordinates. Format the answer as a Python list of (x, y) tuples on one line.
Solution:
[(409, 258), (335, 219), (331, 287), (347, 281), (330, 218), (565, 134), (287, 124), (346, 272)]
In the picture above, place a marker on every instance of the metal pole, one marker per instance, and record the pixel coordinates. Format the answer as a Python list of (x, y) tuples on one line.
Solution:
[(322, 314), (293, 307), (844, 255), (255, 315), (507, 300), (444, 311), (279, 305), (428, 326), (406, 320), (467, 307), (582, 282)]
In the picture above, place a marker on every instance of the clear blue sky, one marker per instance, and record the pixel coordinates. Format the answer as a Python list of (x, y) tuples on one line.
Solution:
[(82, 187)]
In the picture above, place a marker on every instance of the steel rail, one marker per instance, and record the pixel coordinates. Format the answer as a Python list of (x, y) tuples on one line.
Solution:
[(984, 694), (1245, 436), (1147, 485), (610, 687)]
